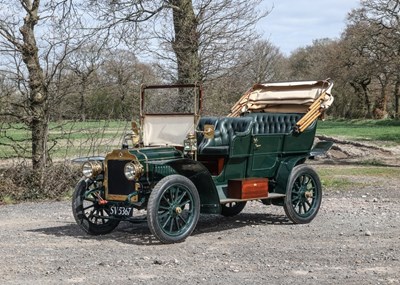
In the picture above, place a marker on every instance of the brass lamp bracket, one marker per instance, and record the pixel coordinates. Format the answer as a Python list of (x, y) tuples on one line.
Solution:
[(209, 131)]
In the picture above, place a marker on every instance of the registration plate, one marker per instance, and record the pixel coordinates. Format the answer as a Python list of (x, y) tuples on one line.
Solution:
[(121, 211)]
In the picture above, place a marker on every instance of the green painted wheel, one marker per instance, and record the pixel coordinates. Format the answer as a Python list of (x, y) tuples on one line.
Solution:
[(303, 195), (173, 209), (92, 217), (232, 209)]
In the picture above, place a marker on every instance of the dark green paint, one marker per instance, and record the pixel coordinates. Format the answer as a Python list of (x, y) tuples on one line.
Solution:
[(156, 153), (263, 155)]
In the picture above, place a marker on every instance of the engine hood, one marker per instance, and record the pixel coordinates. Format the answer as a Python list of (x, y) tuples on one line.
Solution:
[(150, 154)]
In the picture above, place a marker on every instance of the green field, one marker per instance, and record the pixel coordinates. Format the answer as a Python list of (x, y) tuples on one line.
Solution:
[(71, 139), (343, 177), (362, 130), (66, 139)]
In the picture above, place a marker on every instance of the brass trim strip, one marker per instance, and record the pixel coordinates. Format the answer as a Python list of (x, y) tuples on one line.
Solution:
[(117, 154)]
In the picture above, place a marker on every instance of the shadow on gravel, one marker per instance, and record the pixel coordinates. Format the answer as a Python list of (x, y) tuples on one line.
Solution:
[(217, 223), (139, 233)]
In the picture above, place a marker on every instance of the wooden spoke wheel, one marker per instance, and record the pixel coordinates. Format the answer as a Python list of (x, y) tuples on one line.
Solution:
[(303, 195), (173, 209), (92, 216)]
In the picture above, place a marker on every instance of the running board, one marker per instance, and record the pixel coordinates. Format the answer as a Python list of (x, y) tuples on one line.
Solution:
[(270, 196)]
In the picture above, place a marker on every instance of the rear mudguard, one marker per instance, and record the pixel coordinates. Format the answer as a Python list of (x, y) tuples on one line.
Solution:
[(201, 178), (284, 171)]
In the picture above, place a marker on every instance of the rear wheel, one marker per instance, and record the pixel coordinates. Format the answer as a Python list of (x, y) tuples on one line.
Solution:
[(232, 209), (303, 195), (173, 209), (89, 214)]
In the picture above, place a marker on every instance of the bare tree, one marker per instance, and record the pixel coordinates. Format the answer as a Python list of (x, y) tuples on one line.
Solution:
[(120, 76), (35, 39), (84, 64), (206, 38), (261, 62), (382, 18), (191, 40)]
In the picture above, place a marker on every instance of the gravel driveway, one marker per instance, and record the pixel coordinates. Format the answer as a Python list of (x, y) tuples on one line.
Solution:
[(355, 239)]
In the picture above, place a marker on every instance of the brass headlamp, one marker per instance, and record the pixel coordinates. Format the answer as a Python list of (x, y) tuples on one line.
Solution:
[(90, 169)]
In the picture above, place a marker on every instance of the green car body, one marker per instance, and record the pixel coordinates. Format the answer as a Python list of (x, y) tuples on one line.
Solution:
[(175, 183)]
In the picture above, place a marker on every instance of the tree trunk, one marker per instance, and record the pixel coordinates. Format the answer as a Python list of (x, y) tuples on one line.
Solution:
[(82, 104), (361, 89), (380, 111), (186, 48), (38, 121), (367, 101), (397, 97), (186, 43)]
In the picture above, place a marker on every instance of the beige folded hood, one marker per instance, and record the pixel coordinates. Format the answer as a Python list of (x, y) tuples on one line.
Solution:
[(285, 97)]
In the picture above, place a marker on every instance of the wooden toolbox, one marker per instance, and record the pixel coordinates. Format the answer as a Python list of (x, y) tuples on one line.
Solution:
[(248, 188)]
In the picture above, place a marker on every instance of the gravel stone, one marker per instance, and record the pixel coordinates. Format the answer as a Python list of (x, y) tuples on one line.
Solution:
[(41, 244)]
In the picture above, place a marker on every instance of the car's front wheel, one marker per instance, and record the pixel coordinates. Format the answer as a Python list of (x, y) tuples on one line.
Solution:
[(173, 209), (92, 216)]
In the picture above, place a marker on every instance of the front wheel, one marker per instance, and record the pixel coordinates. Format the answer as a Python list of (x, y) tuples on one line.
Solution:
[(173, 209), (303, 195), (89, 214)]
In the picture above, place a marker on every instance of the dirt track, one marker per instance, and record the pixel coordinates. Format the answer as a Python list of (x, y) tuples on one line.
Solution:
[(355, 239)]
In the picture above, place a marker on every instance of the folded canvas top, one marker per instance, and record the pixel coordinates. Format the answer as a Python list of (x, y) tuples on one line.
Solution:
[(284, 97)]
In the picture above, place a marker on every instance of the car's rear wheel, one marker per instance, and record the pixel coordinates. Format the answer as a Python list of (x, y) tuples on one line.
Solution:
[(89, 214), (303, 195), (232, 209), (173, 209)]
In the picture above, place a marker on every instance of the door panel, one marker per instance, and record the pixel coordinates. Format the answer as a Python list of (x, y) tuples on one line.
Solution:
[(264, 155)]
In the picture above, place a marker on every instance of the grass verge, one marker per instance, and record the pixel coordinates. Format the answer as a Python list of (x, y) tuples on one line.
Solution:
[(345, 178), (363, 130)]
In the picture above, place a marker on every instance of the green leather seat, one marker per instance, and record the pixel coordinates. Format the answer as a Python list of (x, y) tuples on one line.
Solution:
[(226, 129), (273, 123)]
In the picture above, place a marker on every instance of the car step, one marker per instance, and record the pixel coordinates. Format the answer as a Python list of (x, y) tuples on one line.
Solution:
[(270, 196)]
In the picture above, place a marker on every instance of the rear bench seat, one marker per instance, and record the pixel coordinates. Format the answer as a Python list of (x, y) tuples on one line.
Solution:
[(226, 129), (273, 123)]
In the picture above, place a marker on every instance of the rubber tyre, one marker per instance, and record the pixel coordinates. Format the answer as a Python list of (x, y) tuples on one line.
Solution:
[(232, 209), (173, 209), (303, 195), (84, 208)]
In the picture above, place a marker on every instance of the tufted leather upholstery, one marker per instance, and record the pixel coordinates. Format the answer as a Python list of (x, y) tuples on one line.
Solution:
[(233, 126), (225, 130), (273, 123)]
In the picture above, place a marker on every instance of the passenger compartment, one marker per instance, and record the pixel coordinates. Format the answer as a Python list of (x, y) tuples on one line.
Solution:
[(231, 137)]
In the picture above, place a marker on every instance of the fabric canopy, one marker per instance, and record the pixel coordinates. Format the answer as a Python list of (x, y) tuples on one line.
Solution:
[(284, 97)]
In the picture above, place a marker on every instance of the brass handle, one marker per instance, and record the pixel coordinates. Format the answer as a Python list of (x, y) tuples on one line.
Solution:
[(255, 141)]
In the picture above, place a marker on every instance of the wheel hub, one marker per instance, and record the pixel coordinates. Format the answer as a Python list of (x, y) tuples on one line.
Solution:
[(308, 194)]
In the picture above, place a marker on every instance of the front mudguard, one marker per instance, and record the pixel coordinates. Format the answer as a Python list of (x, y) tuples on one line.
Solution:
[(201, 178)]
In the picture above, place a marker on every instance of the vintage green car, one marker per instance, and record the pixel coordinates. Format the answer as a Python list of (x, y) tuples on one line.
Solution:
[(176, 164)]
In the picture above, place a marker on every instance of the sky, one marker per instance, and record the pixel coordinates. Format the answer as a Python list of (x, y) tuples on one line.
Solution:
[(296, 23)]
